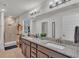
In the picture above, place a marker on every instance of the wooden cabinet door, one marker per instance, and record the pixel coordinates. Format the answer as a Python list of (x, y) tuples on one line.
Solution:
[(20, 43), (25, 46), (43, 51), (41, 55), (23, 49), (33, 52), (27, 51)]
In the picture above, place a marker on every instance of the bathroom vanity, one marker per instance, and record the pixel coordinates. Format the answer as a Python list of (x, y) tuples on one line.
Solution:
[(37, 48)]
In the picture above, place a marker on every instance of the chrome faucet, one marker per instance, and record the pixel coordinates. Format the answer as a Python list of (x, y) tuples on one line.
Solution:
[(59, 41)]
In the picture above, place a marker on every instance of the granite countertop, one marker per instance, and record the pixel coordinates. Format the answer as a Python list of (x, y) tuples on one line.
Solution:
[(69, 50)]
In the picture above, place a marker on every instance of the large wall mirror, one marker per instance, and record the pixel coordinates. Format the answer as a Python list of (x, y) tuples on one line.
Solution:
[(26, 25)]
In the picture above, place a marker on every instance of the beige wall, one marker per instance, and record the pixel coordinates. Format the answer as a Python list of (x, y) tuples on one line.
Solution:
[(10, 29)]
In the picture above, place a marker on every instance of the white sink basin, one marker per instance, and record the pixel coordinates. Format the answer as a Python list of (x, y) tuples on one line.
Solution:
[(30, 38), (55, 45)]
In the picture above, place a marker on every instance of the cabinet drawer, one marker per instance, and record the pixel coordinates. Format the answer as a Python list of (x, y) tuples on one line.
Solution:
[(26, 42), (23, 49), (43, 49), (41, 55), (33, 55), (56, 55), (33, 45), (51, 53), (27, 51), (33, 50)]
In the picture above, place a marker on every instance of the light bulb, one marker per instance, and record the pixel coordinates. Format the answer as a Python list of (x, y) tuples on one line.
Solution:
[(50, 3), (67, 0), (2, 9), (35, 10), (56, 0)]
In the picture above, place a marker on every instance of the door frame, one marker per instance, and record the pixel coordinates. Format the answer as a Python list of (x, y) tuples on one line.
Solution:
[(53, 34)]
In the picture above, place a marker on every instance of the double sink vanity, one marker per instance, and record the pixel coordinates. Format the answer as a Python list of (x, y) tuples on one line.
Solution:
[(47, 48)]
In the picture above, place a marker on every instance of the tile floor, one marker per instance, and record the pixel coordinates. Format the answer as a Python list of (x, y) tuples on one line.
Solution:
[(12, 53)]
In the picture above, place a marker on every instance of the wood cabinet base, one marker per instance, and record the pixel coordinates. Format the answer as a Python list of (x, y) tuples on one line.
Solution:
[(33, 50)]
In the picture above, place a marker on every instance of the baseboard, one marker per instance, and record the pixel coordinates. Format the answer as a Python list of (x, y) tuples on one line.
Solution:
[(2, 48), (10, 43)]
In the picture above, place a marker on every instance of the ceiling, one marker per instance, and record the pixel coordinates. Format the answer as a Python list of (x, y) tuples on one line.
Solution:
[(17, 7)]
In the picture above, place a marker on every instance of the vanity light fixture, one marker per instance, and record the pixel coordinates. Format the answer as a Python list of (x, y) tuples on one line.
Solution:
[(55, 3), (35, 11)]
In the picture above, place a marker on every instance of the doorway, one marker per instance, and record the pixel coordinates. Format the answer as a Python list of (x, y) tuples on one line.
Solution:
[(45, 27), (10, 32)]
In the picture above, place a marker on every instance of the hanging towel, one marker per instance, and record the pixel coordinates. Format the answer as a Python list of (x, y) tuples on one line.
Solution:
[(76, 36)]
